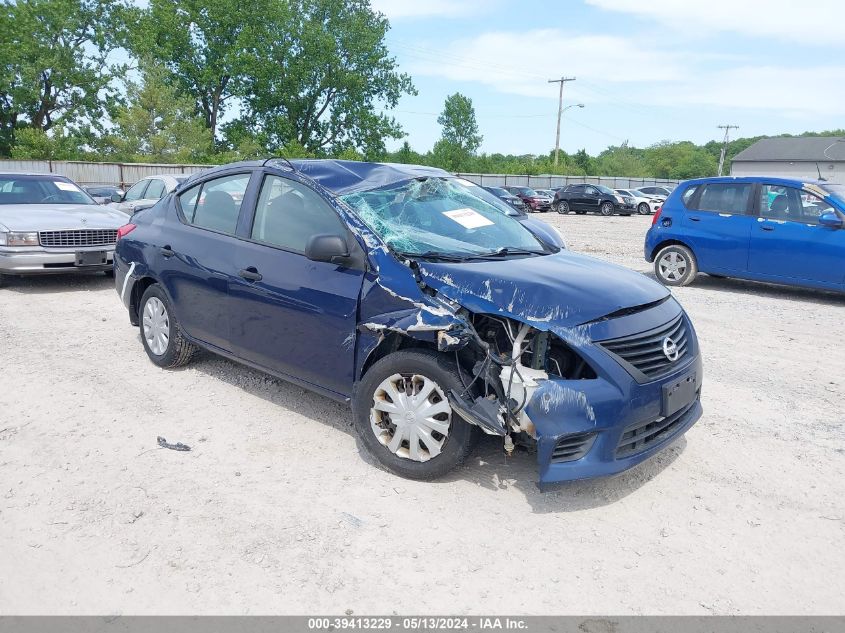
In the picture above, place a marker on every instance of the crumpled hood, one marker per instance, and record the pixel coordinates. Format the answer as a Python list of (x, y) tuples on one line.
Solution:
[(563, 290), (54, 217)]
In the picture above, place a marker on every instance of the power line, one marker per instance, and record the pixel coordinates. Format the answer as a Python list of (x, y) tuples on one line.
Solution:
[(727, 129)]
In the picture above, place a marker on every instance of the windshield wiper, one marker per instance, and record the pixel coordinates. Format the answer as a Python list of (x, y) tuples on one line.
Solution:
[(505, 251), (436, 255)]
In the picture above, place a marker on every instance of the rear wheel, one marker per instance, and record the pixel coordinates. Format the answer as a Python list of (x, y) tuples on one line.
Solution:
[(562, 207), (643, 208), (404, 418), (161, 335), (675, 265), (606, 208)]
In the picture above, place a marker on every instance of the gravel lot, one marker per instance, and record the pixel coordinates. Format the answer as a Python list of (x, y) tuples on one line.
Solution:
[(277, 510)]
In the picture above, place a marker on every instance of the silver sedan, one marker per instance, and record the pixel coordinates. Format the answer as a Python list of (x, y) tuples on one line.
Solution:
[(48, 224)]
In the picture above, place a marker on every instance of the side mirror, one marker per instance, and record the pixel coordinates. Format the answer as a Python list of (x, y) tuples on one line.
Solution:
[(326, 248), (116, 197), (831, 219)]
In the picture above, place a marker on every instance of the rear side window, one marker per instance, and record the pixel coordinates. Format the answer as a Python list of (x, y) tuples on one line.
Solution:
[(724, 198), (155, 190), (289, 214), (215, 204), (688, 194)]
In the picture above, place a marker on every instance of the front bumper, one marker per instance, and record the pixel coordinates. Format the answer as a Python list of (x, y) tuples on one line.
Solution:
[(566, 412), (36, 260)]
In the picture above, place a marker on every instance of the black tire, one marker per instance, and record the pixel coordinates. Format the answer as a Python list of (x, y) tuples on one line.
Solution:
[(178, 350), (562, 207), (461, 436), (643, 208), (3, 280), (686, 265), (109, 272), (607, 208)]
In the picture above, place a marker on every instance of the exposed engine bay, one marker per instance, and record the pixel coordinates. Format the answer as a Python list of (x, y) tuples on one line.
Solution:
[(509, 359)]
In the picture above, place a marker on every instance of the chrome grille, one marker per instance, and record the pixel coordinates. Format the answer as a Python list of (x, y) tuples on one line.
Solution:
[(78, 237), (644, 351)]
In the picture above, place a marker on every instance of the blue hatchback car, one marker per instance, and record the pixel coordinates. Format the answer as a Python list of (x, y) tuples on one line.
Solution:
[(763, 229), (406, 293)]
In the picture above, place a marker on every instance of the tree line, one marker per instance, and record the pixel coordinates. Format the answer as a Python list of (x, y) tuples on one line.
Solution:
[(211, 81)]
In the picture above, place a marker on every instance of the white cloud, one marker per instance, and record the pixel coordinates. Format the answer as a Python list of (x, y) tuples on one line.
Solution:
[(812, 22), (522, 63), (410, 9), (624, 72)]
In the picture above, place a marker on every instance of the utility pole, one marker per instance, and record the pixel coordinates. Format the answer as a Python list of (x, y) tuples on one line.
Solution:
[(727, 129), (561, 81)]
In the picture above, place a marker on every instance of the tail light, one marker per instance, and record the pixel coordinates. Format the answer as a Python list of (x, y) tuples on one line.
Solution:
[(125, 230), (656, 215)]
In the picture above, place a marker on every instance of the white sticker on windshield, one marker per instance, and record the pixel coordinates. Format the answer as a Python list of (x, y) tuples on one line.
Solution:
[(468, 218), (66, 186)]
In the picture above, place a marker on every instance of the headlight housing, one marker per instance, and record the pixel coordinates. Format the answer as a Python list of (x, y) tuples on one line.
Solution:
[(18, 238), (620, 199)]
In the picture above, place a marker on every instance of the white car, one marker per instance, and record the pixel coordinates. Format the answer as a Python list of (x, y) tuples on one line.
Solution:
[(146, 192), (644, 203), (48, 224)]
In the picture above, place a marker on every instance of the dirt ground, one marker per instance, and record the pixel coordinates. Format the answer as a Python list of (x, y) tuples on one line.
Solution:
[(278, 510)]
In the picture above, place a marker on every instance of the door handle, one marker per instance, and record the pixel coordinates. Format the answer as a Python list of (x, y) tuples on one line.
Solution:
[(694, 219), (250, 274), (767, 227), (166, 251)]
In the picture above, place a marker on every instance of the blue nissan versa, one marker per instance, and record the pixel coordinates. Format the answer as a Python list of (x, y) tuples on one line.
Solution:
[(763, 229), (398, 289)]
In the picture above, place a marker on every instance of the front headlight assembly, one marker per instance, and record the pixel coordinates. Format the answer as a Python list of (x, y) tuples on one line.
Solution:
[(18, 238)]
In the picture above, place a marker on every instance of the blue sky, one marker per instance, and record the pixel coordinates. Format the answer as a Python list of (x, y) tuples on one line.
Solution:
[(647, 70)]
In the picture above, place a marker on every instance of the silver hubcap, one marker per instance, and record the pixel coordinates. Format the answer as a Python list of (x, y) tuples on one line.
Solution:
[(411, 416), (156, 326), (673, 266), (607, 209)]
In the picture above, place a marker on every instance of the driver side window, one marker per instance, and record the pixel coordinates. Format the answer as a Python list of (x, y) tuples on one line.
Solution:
[(289, 214), (137, 190)]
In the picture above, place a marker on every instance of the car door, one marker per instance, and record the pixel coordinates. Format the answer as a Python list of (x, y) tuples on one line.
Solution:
[(574, 194), (789, 244), (197, 256), (289, 314), (133, 197), (717, 224), (591, 199)]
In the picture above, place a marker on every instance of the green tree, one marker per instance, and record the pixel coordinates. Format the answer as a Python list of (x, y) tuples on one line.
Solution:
[(54, 72), (320, 76), (459, 125), (204, 43), (158, 123)]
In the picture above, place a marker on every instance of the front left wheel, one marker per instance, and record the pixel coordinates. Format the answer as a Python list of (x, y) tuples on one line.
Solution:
[(161, 335), (643, 208), (403, 416)]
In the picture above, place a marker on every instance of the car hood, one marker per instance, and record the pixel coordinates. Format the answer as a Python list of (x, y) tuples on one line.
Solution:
[(563, 290), (48, 217)]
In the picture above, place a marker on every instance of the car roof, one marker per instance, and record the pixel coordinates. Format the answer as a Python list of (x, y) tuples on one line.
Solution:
[(786, 182), (33, 173), (338, 176)]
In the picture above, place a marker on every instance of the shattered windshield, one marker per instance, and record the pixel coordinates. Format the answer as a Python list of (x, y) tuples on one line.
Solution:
[(440, 216)]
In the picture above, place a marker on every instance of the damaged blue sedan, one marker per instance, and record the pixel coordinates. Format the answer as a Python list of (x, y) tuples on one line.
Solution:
[(405, 293)]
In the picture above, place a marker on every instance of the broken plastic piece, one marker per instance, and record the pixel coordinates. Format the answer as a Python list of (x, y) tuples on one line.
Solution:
[(178, 446), (481, 412), (508, 445)]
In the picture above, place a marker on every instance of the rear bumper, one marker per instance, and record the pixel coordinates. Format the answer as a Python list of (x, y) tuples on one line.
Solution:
[(37, 260)]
